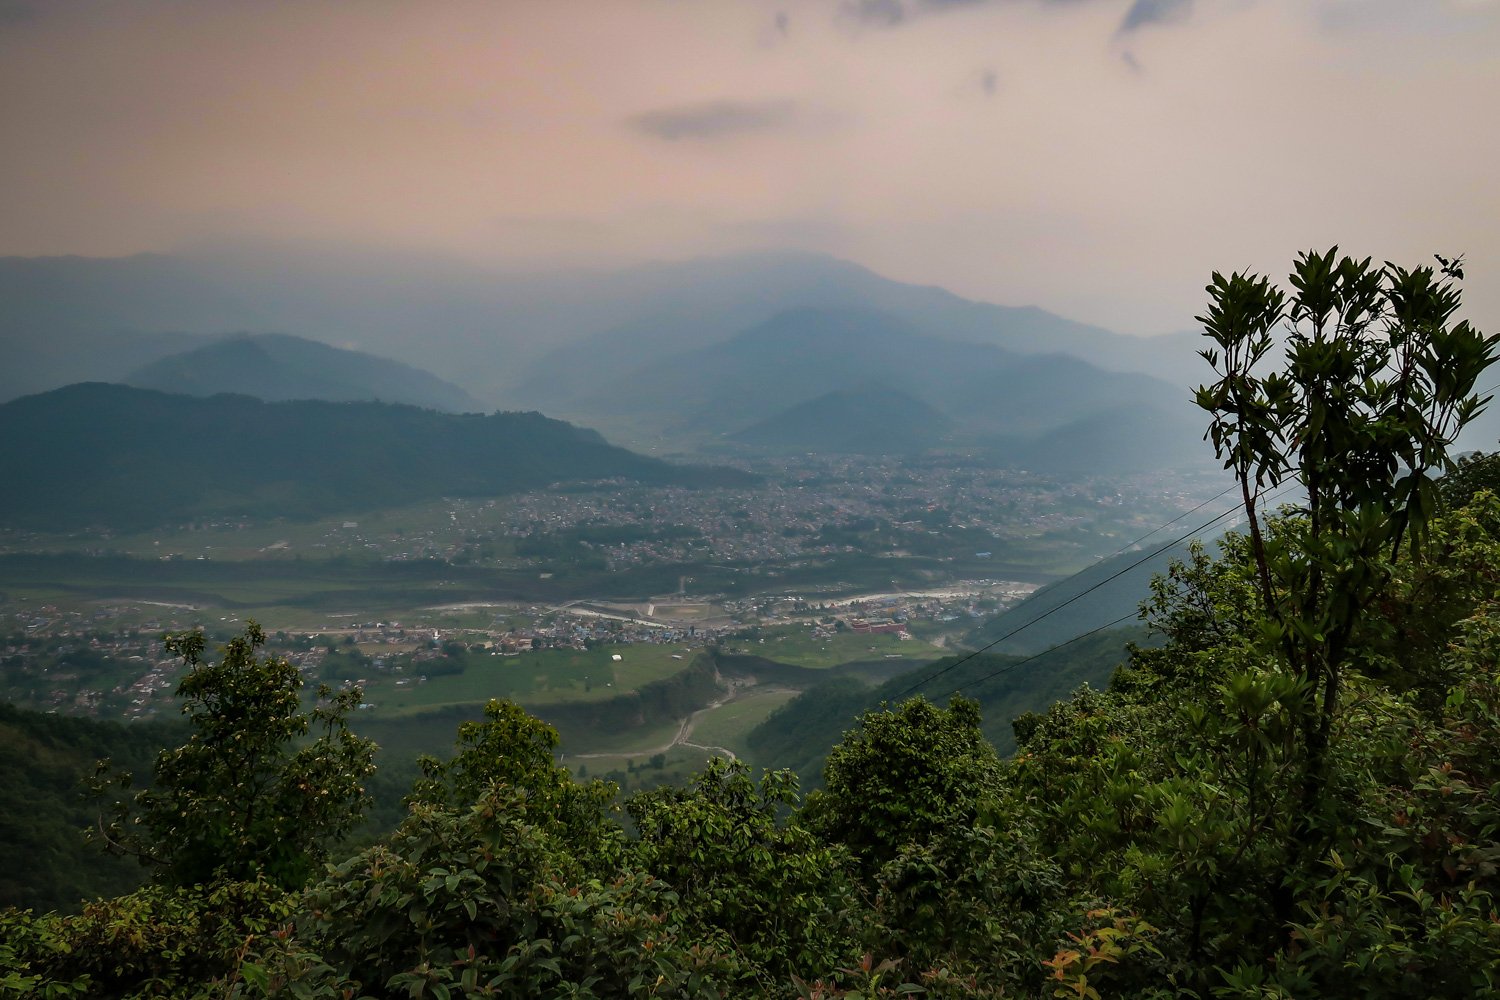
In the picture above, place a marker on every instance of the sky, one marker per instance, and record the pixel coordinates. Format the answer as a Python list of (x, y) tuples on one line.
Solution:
[(1098, 158)]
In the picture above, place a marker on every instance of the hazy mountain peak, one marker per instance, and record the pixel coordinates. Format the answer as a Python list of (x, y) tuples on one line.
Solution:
[(867, 418), (279, 366)]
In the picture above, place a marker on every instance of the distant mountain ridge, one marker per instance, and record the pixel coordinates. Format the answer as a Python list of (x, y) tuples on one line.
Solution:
[(867, 419), (723, 296), (75, 319), (514, 339), (278, 367), (116, 456), (789, 359), (572, 343), (805, 376), (1122, 438)]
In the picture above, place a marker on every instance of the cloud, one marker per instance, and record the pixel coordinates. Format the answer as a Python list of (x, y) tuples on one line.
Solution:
[(1144, 13), (989, 82), (715, 119), (17, 12)]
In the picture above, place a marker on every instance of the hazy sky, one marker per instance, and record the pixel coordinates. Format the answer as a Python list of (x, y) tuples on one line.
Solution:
[(1095, 157)]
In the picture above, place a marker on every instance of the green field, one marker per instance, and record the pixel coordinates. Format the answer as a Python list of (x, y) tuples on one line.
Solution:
[(798, 647), (546, 676), (631, 761), (380, 582), (632, 742), (729, 724)]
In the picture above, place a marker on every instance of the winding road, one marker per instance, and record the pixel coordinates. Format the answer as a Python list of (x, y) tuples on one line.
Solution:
[(685, 731)]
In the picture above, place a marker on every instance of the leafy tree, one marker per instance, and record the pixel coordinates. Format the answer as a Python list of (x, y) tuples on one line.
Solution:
[(504, 881), (1232, 787), (903, 776), (479, 901), (785, 899), (515, 750), (263, 785), (160, 942), (1377, 382), (977, 907), (1472, 473)]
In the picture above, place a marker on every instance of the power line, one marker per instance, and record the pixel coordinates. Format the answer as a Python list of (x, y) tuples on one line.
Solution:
[(1007, 668), (1083, 593), (1162, 527), (1264, 502)]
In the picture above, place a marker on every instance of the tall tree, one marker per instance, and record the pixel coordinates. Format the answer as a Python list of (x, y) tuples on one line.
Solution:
[(263, 785), (1377, 381)]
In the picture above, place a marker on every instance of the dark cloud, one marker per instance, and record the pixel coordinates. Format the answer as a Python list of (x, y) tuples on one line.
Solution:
[(715, 119), (1144, 13), (889, 13), (881, 13)]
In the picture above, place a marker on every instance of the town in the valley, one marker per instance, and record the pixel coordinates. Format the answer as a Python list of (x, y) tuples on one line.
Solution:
[(102, 654)]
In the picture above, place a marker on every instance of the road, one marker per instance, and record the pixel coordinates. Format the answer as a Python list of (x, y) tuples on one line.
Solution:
[(685, 731)]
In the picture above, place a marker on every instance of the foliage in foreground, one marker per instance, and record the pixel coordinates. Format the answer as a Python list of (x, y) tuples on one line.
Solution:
[(262, 787), (1142, 843)]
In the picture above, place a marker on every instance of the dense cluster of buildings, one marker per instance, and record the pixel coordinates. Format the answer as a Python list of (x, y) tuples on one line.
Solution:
[(806, 508)]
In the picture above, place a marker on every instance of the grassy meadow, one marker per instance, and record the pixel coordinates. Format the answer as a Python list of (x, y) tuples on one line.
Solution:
[(797, 646), (727, 725), (541, 677)]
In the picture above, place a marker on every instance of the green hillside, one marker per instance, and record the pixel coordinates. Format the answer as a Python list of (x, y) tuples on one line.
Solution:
[(799, 735), (121, 457), (44, 762), (1096, 596)]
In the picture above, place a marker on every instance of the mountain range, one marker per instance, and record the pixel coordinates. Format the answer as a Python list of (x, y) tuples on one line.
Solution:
[(510, 339), (665, 358), (864, 381)]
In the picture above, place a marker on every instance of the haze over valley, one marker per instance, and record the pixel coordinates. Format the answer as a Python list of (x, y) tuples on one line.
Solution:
[(829, 433)]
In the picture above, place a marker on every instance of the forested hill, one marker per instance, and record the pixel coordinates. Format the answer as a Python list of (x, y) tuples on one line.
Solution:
[(115, 456), (799, 735), (1095, 597)]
